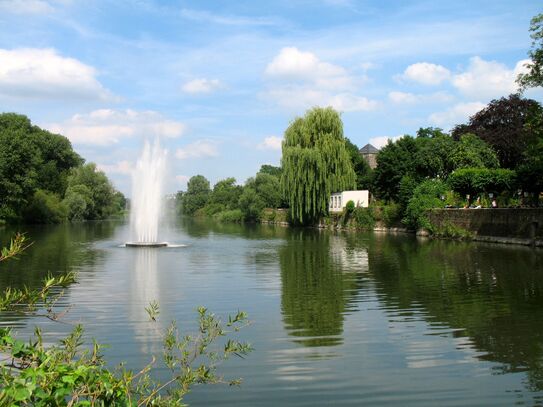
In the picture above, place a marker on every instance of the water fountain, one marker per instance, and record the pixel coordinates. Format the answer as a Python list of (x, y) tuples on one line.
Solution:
[(147, 189)]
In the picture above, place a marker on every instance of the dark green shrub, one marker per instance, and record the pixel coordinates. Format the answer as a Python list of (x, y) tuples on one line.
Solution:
[(349, 207), (391, 214), (364, 218), (426, 196), (233, 215)]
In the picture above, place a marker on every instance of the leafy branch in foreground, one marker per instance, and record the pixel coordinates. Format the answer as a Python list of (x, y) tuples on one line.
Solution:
[(71, 374), (16, 246)]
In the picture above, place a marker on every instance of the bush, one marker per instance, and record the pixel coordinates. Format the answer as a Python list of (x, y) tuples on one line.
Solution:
[(349, 207), (233, 215), (474, 181), (426, 196), (391, 214), (364, 218), (45, 207)]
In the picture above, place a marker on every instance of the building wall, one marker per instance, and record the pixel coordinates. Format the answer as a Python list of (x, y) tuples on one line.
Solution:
[(340, 199), (371, 159)]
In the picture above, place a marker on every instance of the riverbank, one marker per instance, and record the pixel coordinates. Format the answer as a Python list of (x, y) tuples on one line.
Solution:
[(516, 226)]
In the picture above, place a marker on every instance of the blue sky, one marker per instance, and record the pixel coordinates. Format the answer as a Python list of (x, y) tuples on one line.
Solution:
[(219, 81)]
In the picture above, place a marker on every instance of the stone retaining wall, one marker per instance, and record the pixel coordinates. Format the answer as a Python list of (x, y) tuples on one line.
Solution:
[(521, 223)]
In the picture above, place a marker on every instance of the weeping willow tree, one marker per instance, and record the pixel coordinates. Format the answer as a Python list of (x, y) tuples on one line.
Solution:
[(315, 163)]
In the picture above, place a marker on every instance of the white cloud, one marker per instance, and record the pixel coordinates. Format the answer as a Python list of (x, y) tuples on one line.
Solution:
[(107, 126), (301, 80), (122, 167), (201, 86), (44, 74), (406, 98), (425, 73), (457, 114), (379, 142), (292, 63), (25, 7), (488, 79), (198, 149), (271, 143)]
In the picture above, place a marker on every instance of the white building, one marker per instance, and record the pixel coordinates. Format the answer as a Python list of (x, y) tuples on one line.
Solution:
[(340, 199)]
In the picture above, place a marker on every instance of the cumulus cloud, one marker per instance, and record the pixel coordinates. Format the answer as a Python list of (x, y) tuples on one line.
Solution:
[(458, 113), (406, 98), (25, 7), (292, 63), (198, 149), (271, 143), (379, 142), (44, 74), (201, 86), (301, 80), (425, 73), (488, 79), (105, 127)]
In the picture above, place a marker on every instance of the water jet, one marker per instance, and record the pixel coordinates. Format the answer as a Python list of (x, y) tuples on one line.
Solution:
[(147, 189)]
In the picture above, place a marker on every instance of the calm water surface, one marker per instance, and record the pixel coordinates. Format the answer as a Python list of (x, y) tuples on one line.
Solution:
[(343, 319)]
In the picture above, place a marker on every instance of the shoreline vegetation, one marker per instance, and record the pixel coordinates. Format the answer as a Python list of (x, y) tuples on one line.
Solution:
[(477, 165)]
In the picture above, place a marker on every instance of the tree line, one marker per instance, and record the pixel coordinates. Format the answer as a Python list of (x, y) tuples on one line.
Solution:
[(43, 180)]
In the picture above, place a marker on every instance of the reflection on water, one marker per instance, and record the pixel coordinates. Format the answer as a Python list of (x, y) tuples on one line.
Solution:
[(344, 319), (319, 279), (145, 290)]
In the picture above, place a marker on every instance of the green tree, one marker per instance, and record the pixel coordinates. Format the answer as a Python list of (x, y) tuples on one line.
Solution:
[(226, 193), (268, 188), (503, 124), (315, 163), (102, 202), (472, 152), (432, 156), (394, 161), (250, 203), (197, 195), (271, 170), (534, 76)]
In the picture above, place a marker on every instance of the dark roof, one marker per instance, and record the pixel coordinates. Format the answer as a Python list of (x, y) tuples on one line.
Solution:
[(368, 149)]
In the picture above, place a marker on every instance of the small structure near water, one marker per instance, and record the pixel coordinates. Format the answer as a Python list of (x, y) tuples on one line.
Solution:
[(338, 200)]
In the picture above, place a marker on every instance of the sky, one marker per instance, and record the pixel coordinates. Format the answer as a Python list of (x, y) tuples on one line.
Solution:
[(218, 82)]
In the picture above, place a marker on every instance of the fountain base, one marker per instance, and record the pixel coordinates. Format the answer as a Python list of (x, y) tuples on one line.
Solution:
[(146, 244)]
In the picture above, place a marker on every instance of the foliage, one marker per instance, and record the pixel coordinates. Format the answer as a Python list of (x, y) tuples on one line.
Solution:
[(472, 181), (250, 204), (534, 76), (349, 206), (30, 158), (68, 374), (394, 161), (45, 207), (315, 163), (427, 195), (432, 156), (271, 170), (230, 215), (391, 214), (197, 195), (92, 186), (226, 193), (451, 231), (16, 246), (268, 188), (472, 152), (503, 125), (364, 217)]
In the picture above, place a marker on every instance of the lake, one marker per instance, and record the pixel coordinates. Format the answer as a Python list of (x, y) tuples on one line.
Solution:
[(337, 318)]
